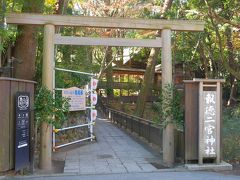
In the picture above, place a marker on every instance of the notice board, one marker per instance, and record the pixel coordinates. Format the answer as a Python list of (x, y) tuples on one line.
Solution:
[(77, 98), (22, 130)]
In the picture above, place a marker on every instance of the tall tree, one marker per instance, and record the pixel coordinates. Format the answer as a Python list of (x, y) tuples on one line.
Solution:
[(224, 14), (109, 72), (217, 51), (147, 84), (25, 46), (107, 8)]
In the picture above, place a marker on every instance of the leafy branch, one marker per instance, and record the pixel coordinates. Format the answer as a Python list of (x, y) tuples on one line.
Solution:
[(50, 109), (169, 106)]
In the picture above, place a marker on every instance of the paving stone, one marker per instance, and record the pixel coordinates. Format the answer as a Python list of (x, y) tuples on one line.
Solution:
[(102, 169), (87, 170), (140, 160), (132, 167), (71, 170), (100, 164), (71, 158), (71, 166), (114, 161), (147, 167), (118, 169)]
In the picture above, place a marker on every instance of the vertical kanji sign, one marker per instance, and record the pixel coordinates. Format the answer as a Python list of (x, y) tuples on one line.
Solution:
[(209, 124), (209, 130)]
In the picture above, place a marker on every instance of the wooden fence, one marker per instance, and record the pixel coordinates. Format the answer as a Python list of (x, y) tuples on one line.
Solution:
[(126, 85), (8, 89), (130, 99), (146, 129)]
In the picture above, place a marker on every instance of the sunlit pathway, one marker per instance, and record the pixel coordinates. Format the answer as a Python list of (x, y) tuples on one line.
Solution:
[(113, 152)]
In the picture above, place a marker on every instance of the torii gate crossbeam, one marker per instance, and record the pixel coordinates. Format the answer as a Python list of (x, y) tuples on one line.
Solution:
[(104, 22)]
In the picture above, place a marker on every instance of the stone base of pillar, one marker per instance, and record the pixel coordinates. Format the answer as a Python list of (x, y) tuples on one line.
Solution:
[(223, 166)]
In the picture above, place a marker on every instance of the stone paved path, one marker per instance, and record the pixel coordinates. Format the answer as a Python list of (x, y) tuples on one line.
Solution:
[(113, 152)]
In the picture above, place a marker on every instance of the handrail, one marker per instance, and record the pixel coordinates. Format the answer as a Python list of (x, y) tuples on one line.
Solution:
[(125, 114), (135, 117), (125, 85)]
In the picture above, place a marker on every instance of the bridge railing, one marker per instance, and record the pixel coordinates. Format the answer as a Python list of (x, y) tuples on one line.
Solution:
[(131, 99), (142, 127), (149, 130)]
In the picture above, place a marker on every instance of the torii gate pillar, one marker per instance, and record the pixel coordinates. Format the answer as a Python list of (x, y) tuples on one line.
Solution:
[(168, 131), (47, 81)]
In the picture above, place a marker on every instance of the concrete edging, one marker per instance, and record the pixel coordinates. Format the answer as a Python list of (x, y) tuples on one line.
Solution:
[(223, 166)]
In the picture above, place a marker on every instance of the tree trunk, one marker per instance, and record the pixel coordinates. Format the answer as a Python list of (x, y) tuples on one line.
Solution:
[(204, 60), (108, 56), (150, 70), (233, 94), (61, 6), (166, 5), (26, 44), (109, 73), (147, 82), (25, 53)]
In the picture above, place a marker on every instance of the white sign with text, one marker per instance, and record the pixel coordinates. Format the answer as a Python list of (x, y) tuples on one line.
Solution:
[(209, 128), (77, 98)]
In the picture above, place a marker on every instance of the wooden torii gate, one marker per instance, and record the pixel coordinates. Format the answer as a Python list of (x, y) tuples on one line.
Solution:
[(50, 39)]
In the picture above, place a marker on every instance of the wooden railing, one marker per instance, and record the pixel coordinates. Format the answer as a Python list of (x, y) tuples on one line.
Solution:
[(131, 99), (149, 130), (126, 85), (143, 128)]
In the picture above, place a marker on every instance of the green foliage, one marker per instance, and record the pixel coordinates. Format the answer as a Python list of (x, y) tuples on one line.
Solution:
[(116, 92), (109, 90), (49, 109), (6, 34), (32, 6), (74, 58), (50, 6), (132, 85), (142, 55), (66, 80), (169, 105), (231, 134)]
